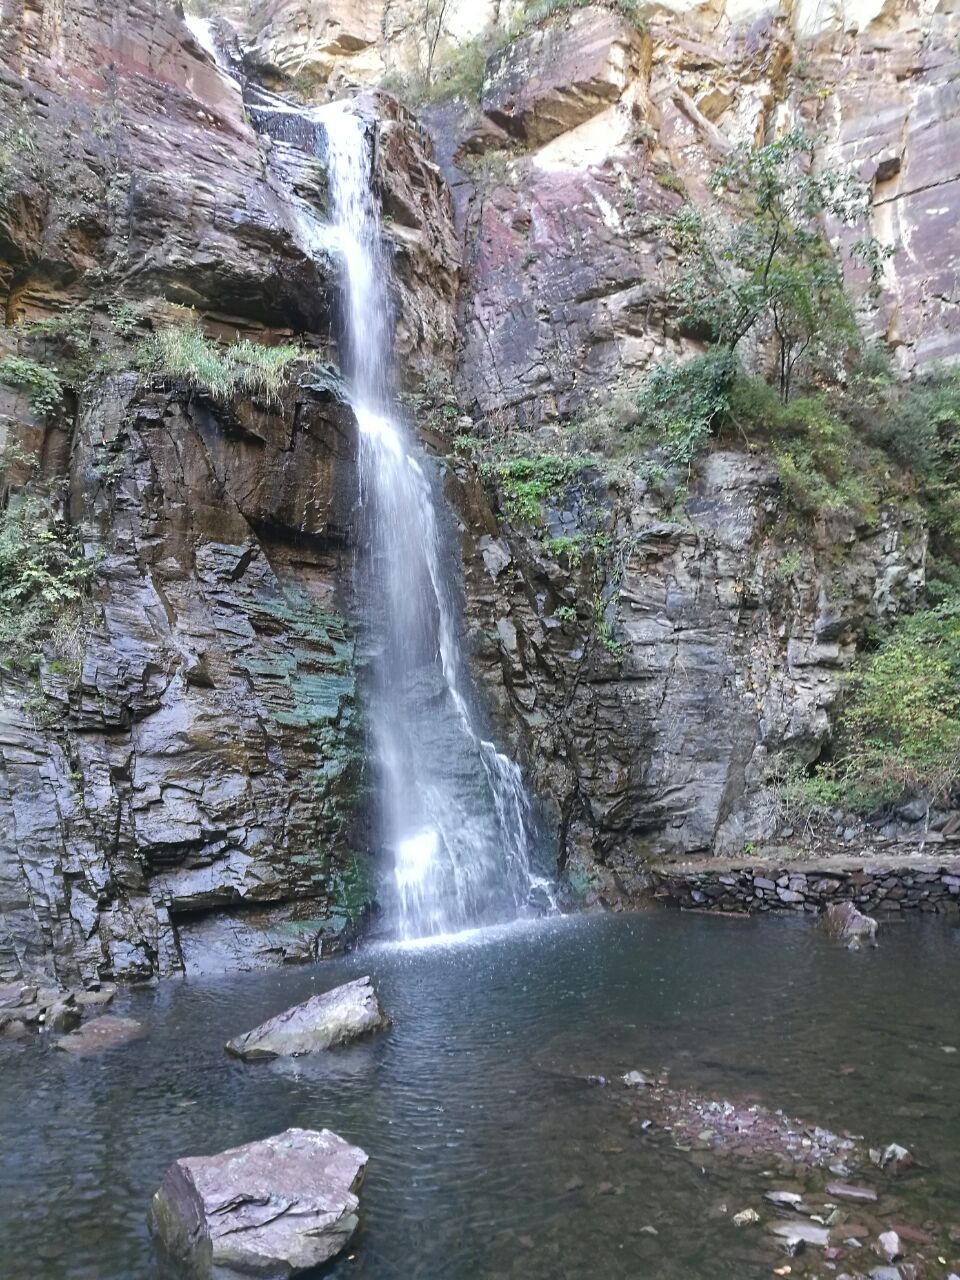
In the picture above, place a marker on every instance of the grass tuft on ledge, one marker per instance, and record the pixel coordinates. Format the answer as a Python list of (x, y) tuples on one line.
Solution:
[(244, 366)]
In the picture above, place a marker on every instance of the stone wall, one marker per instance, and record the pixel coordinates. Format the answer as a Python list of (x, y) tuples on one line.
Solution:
[(927, 888)]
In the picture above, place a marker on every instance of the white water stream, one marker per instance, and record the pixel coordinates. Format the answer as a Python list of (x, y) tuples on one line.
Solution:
[(454, 812)]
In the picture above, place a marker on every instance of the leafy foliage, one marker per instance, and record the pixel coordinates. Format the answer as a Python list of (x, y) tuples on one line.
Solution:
[(763, 259), (44, 580), (42, 383), (528, 482), (681, 405), (899, 732)]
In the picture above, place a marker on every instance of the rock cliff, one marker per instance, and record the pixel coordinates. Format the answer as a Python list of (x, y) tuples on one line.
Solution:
[(189, 788), (197, 790)]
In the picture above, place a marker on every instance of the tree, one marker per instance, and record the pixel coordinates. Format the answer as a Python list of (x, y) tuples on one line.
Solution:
[(762, 259), (432, 18)]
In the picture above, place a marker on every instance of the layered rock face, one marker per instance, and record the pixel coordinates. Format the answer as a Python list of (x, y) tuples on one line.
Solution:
[(195, 795)]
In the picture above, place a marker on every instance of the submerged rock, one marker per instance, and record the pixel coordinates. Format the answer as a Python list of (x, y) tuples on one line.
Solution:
[(335, 1017), (842, 920), (797, 1234), (273, 1208), (100, 1034)]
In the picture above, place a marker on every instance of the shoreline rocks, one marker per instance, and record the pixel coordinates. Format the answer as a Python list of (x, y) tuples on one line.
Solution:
[(273, 1208), (26, 1007), (333, 1018)]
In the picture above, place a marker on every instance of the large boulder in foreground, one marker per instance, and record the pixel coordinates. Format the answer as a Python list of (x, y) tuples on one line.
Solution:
[(273, 1208), (336, 1017)]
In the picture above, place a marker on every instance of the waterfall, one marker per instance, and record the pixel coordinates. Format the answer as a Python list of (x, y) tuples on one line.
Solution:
[(454, 814)]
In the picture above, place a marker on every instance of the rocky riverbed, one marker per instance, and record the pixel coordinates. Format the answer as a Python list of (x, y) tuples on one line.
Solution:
[(489, 1152)]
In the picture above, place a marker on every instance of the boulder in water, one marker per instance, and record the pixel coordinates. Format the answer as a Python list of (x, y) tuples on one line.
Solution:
[(100, 1034), (842, 920), (336, 1017), (273, 1208)]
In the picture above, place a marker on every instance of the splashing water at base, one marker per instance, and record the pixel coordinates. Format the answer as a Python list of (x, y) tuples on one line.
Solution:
[(454, 811)]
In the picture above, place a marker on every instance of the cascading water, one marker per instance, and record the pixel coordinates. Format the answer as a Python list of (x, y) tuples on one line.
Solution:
[(454, 811)]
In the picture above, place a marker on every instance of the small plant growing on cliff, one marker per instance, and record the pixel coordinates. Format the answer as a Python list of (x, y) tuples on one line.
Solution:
[(680, 405), (763, 262), (184, 351), (42, 384)]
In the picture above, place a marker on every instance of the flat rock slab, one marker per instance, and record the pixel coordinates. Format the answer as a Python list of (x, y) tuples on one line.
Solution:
[(844, 1191), (335, 1017), (100, 1034), (273, 1208)]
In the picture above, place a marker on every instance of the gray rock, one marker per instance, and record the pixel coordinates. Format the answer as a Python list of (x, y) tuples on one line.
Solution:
[(273, 1208), (100, 1034), (888, 1246), (335, 1017), (636, 1080), (844, 1191), (797, 1234), (745, 1218), (842, 920), (896, 1158), (62, 1016), (788, 1199)]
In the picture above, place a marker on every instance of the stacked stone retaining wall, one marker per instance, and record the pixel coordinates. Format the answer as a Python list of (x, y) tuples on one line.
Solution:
[(933, 889)]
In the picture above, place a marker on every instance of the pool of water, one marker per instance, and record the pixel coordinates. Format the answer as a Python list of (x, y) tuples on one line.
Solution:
[(490, 1156)]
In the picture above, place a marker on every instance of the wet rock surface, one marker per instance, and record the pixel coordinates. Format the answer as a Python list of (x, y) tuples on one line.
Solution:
[(273, 1208), (196, 797), (336, 1017)]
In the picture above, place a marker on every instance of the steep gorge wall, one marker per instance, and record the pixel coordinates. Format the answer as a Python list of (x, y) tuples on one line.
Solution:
[(193, 793), (729, 627), (198, 793)]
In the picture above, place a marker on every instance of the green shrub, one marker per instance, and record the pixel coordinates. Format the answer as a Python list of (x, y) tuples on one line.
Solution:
[(681, 405), (571, 546), (761, 260), (42, 383), (44, 581), (898, 734), (527, 483), (186, 352), (788, 565), (670, 181), (918, 426)]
